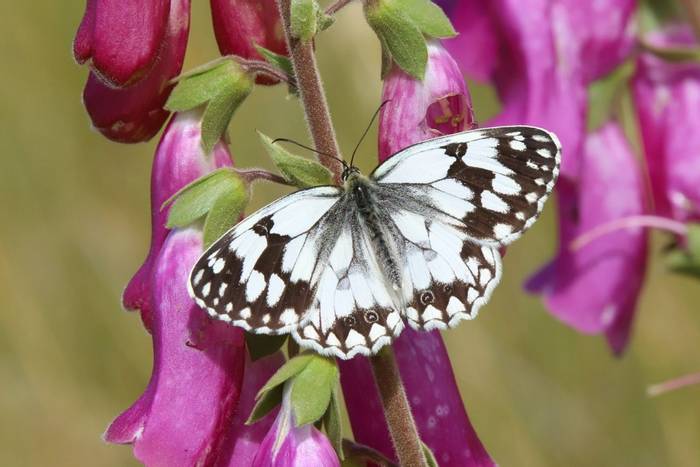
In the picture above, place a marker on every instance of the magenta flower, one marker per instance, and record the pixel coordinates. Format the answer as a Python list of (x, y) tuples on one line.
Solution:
[(121, 39), (667, 99), (594, 287), (179, 160), (540, 54), (240, 25), (133, 113), (417, 111), (288, 445)]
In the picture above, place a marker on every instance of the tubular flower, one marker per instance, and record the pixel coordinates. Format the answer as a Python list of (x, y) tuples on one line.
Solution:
[(121, 39), (178, 161), (240, 25), (667, 98), (135, 113), (417, 111), (288, 445), (197, 375), (610, 189)]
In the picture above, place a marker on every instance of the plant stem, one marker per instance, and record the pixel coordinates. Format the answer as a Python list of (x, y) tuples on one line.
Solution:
[(631, 222), (402, 427), (313, 98), (692, 8), (252, 175), (267, 69), (337, 6), (672, 385)]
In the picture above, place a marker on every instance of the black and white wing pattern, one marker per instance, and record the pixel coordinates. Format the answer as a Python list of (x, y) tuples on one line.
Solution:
[(453, 201), (258, 275), (493, 182)]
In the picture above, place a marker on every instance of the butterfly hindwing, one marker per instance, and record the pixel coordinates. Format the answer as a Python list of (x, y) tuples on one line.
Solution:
[(258, 276), (492, 181)]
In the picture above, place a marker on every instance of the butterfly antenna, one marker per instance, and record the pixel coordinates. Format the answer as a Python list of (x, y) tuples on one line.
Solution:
[(371, 122), (285, 140)]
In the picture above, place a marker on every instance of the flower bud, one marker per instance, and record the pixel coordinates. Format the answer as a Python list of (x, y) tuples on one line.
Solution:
[(179, 160), (420, 110), (135, 113), (240, 25), (121, 39), (610, 189), (667, 99)]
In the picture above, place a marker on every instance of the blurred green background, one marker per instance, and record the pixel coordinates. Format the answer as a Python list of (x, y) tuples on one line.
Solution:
[(75, 226)]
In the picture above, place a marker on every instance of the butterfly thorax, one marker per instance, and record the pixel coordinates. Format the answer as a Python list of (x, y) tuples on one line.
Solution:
[(364, 193)]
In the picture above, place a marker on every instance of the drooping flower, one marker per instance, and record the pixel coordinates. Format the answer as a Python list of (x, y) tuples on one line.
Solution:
[(121, 39), (179, 160), (240, 25), (288, 445), (417, 111), (594, 287), (667, 100), (134, 111)]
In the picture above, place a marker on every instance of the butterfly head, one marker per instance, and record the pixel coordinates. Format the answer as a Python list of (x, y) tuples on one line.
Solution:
[(349, 171)]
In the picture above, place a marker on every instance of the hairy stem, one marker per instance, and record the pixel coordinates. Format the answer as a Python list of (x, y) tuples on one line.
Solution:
[(252, 175), (631, 222), (692, 8), (672, 385), (402, 427), (267, 69), (312, 96), (337, 6)]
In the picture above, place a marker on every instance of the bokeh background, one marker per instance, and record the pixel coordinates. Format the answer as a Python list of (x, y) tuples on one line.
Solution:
[(75, 225)]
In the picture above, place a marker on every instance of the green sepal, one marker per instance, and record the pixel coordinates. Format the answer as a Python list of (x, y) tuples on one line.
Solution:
[(429, 18), (687, 261), (290, 369), (399, 35), (304, 16), (265, 404), (297, 170), (325, 21), (333, 425), (261, 345), (280, 61), (429, 456), (198, 198), (225, 211), (312, 389), (677, 54), (222, 88), (604, 93)]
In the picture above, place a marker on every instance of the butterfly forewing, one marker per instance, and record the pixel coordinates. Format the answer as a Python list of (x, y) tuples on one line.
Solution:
[(493, 182)]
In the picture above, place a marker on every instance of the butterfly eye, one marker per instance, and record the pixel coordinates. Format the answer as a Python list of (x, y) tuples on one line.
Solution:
[(371, 317), (427, 297), (350, 321)]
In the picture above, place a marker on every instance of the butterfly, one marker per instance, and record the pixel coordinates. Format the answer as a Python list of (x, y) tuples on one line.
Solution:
[(343, 268)]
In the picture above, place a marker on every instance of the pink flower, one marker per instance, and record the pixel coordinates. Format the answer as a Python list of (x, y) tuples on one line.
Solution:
[(179, 160), (134, 111), (667, 99), (594, 288), (418, 111), (240, 25), (121, 39), (288, 445)]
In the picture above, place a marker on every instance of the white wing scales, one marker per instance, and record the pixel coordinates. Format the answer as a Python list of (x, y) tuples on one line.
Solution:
[(307, 265)]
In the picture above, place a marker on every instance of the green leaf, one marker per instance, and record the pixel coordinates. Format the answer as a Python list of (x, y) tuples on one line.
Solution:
[(332, 423), (260, 345), (403, 40), (291, 368), (197, 198), (304, 19), (687, 261), (325, 21), (265, 404), (280, 61), (194, 90), (604, 94), (429, 18), (225, 211), (429, 456), (297, 170), (220, 109), (312, 389)]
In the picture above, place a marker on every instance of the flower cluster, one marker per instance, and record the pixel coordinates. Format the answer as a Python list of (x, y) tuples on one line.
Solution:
[(547, 59)]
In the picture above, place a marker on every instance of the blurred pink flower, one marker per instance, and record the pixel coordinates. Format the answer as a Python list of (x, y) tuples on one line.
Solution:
[(240, 25), (288, 445), (179, 160), (121, 39), (667, 99), (594, 288), (416, 112), (134, 113)]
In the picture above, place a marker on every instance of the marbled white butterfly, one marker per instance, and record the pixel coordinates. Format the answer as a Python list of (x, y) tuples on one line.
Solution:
[(342, 267)]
